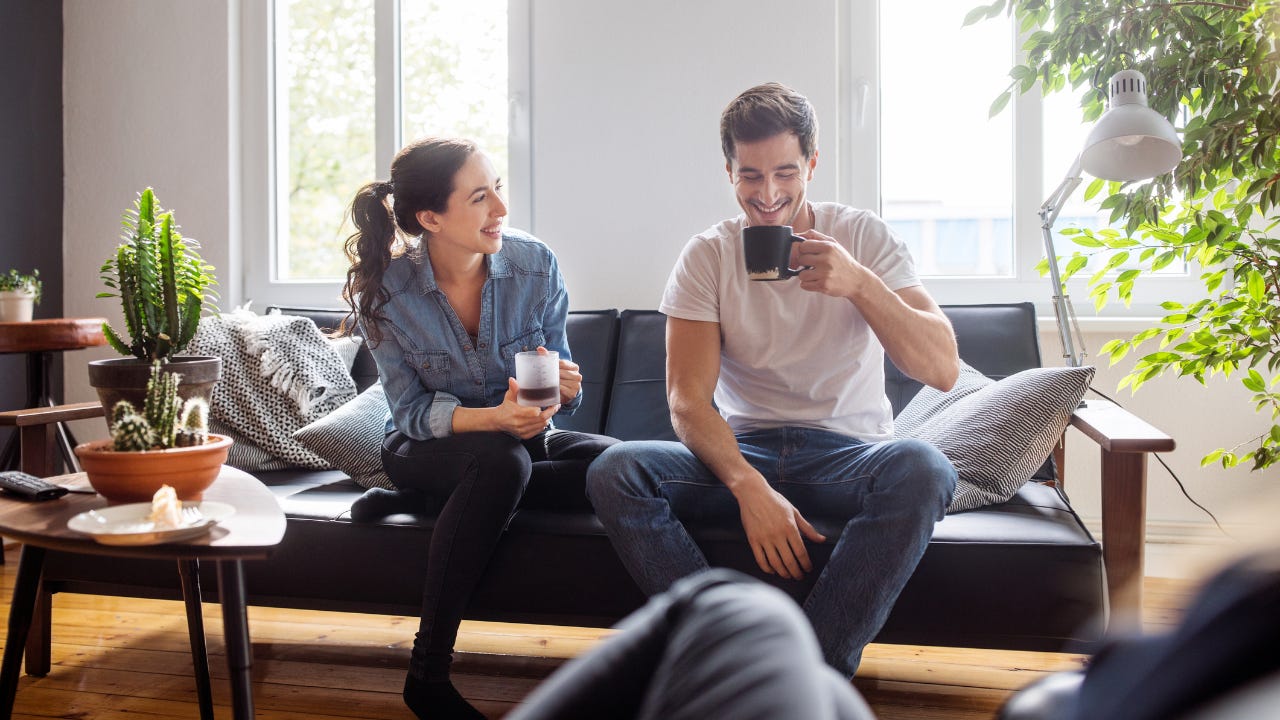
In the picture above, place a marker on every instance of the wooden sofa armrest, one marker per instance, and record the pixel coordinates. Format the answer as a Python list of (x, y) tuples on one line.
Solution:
[(37, 431), (1124, 440)]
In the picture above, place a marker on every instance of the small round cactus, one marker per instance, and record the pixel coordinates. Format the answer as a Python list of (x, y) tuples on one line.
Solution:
[(164, 422), (132, 433)]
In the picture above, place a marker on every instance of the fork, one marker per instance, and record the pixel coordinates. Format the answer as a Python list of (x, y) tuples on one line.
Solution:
[(191, 515)]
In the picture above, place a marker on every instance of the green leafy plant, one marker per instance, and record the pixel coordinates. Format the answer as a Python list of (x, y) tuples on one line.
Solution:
[(164, 422), (162, 283), (1213, 68), (16, 281)]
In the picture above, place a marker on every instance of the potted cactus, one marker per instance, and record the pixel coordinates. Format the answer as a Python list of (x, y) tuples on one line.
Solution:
[(166, 442), (163, 286), (19, 294)]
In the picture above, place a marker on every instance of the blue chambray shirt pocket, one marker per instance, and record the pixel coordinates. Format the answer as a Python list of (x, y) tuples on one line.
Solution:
[(530, 340), (432, 368)]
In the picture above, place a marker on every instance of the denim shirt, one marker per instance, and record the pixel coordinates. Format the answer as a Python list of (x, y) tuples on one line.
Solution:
[(426, 361)]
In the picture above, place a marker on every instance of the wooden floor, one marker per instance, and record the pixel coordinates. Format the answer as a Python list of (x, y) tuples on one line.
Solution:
[(124, 658)]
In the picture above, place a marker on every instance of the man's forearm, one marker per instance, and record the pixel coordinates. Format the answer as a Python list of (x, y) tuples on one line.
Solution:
[(711, 440)]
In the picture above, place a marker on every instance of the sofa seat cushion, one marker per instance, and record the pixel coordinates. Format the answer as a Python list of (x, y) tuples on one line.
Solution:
[(984, 574)]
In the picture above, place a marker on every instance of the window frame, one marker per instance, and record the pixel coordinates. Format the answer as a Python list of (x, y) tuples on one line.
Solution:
[(860, 183), (857, 152), (262, 154)]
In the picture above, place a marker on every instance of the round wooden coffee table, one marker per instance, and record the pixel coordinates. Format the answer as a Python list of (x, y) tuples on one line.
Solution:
[(252, 532)]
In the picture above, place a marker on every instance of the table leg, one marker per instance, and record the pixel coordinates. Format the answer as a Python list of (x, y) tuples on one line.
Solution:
[(235, 626), (189, 571), (24, 601)]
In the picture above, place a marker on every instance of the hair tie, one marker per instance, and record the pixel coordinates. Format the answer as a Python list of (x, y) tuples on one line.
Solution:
[(384, 189)]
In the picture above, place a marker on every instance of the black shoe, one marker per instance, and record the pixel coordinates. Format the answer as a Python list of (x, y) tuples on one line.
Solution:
[(377, 503), (437, 701)]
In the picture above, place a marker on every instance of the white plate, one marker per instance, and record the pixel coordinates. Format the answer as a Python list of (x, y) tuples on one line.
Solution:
[(128, 524)]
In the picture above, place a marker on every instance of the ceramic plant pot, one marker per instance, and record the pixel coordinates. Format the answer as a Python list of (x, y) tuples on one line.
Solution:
[(119, 379), (16, 305), (136, 476)]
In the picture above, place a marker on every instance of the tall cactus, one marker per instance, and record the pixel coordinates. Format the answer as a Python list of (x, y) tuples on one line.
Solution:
[(162, 283)]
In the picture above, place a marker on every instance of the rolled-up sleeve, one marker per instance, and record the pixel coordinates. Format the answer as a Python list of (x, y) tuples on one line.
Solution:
[(420, 413)]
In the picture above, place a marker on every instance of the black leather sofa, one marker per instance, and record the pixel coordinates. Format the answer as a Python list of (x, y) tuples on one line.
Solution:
[(1025, 575)]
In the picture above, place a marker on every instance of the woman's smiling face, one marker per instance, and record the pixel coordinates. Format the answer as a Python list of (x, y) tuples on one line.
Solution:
[(473, 218)]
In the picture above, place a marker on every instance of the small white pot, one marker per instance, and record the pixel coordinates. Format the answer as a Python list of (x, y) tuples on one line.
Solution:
[(16, 305)]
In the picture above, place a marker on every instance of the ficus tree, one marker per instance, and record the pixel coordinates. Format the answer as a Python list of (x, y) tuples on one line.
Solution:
[(1213, 69)]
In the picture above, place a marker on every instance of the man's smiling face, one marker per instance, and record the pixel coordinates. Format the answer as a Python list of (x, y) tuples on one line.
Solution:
[(769, 179)]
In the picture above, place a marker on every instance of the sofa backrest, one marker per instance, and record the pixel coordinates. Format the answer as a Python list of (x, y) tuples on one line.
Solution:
[(638, 402), (625, 354), (593, 340), (998, 340)]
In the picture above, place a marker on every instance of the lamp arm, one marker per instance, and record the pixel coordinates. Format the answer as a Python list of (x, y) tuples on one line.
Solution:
[(1064, 313)]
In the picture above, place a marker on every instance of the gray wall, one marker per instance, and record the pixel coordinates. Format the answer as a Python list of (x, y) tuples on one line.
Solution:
[(30, 164)]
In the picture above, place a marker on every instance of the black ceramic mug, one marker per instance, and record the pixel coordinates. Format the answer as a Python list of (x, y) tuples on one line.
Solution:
[(767, 249)]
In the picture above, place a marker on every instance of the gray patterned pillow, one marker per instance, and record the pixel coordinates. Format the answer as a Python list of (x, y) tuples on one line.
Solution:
[(929, 402), (351, 437), (998, 434)]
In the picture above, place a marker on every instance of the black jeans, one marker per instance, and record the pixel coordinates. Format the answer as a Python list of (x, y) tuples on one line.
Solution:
[(481, 478), (717, 645)]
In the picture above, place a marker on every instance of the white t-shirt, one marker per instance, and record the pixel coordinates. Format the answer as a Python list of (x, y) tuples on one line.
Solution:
[(790, 356)]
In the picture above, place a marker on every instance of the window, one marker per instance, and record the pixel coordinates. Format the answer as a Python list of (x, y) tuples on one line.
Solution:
[(963, 189), (946, 167), (336, 86), (350, 82)]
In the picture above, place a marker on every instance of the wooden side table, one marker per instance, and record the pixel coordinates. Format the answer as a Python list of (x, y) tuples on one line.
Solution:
[(39, 339), (252, 532)]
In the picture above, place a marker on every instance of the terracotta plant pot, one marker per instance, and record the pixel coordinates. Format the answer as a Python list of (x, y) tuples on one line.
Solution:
[(119, 379), (136, 476)]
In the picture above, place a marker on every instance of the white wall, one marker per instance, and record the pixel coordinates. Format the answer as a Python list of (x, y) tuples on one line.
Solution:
[(146, 103), (627, 166), (626, 140)]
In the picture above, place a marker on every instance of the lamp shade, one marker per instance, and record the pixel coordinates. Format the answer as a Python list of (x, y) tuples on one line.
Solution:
[(1130, 141)]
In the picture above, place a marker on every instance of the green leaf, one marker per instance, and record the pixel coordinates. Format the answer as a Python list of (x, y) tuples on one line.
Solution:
[(1093, 188), (1257, 285), (1254, 382), (975, 15), (1000, 103)]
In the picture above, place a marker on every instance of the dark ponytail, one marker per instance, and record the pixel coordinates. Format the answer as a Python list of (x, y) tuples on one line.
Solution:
[(421, 179)]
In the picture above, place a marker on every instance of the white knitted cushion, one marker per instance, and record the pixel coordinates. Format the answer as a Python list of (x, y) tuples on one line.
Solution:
[(278, 374), (997, 434), (351, 437)]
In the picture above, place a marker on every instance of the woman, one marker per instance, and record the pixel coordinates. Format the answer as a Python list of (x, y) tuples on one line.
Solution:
[(445, 304)]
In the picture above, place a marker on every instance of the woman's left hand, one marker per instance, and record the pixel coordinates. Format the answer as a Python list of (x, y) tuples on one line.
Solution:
[(570, 381)]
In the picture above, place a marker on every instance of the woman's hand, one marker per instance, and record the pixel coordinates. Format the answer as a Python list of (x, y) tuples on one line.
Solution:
[(570, 381), (514, 419)]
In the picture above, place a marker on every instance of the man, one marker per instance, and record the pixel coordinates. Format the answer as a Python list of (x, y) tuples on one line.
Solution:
[(776, 392)]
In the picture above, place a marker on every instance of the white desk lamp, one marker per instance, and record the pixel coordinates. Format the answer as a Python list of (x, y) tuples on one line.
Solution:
[(1129, 142)]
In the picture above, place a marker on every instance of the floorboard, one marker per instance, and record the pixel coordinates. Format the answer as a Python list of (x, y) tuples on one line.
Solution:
[(118, 659)]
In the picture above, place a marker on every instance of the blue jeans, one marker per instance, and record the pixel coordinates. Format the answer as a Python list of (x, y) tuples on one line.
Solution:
[(888, 495)]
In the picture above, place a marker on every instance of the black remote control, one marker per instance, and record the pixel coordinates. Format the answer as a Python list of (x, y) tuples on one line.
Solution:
[(29, 487)]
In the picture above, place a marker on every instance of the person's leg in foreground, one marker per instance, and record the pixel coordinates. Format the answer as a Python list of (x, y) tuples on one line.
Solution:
[(716, 645)]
